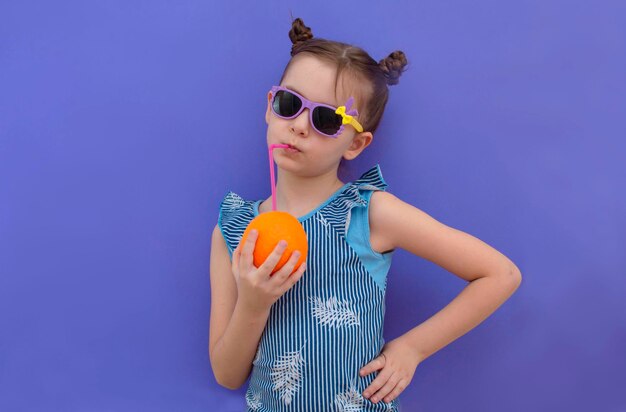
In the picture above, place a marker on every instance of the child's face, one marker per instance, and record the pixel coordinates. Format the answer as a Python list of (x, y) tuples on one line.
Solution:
[(314, 80)]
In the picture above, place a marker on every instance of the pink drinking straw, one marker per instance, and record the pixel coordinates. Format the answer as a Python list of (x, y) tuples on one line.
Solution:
[(272, 147)]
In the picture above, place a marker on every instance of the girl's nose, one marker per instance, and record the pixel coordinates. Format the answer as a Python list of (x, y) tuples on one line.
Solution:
[(300, 124)]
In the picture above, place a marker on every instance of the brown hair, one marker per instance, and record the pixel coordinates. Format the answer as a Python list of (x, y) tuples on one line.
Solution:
[(372, 94)]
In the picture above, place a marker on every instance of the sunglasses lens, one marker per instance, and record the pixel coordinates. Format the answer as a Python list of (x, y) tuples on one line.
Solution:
[(326, 120), (286, 104)]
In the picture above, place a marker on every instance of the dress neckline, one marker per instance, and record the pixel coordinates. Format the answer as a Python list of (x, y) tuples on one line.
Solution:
[(312, 212)]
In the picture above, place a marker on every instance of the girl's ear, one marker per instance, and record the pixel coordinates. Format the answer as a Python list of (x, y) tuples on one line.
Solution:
[(359, 142)]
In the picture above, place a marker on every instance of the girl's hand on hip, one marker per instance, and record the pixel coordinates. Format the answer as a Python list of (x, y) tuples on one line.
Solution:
[(256, 289), (397, 363)]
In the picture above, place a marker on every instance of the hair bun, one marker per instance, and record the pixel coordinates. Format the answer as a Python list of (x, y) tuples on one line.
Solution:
[(299, 33), (393, 66)]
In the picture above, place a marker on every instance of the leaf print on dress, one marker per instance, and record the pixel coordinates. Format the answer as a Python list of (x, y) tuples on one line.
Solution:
[(253, 400), (320, 218), (286, 375), (234, 201), (369, 187), (356, 200), (350, 400), (333, 312)]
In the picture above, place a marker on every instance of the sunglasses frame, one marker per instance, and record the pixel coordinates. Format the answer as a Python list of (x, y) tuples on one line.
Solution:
[(308, 104)]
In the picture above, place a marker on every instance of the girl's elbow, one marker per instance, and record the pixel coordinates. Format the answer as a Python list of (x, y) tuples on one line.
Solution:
[(509, 279), (227, 381), (230, 385), (515, 277)]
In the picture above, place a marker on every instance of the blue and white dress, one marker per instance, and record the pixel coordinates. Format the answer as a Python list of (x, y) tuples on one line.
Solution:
[(324, 329)]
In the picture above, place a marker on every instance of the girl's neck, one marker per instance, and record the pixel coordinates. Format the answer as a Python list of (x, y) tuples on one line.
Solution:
[(299, 195)]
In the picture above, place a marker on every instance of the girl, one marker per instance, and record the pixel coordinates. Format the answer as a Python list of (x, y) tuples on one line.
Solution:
[(312, 339)]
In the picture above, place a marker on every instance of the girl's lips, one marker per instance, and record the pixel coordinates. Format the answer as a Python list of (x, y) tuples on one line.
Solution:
[(291, 149)]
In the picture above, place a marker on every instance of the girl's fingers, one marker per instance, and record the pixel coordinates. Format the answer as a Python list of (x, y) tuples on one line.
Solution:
[(396, 391), (281, 275), (293, 278), (272, 260), (382, 378), (247, 259), (376, 364), (386, 389)]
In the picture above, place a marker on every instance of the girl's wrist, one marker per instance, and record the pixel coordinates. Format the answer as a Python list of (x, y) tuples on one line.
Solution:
[(413, 347), (252, 312)]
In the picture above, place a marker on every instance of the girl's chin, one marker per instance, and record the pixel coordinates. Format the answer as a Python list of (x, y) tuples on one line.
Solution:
[(290, 161)]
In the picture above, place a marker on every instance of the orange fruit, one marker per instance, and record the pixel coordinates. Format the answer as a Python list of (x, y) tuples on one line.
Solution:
[(272, 227)]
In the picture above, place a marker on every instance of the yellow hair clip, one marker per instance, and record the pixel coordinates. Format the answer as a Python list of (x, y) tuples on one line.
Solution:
[(347, 118)]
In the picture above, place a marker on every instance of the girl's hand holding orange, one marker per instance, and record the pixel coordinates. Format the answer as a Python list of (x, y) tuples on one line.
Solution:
[(257, 287), (272, 227)]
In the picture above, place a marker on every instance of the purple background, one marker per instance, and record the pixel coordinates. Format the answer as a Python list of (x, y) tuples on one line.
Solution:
[(118, 139)]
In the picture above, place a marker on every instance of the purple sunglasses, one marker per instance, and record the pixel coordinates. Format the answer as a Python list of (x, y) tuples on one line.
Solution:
[(327, 120)]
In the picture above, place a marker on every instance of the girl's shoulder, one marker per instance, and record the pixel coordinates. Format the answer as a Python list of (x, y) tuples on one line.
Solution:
[(382, 203), (369, 191)]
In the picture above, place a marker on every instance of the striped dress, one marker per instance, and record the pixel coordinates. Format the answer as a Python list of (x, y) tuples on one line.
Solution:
[(329, 325)]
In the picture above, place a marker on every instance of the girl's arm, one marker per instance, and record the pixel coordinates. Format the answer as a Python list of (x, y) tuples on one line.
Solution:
[(234, 331), (492, 276)]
